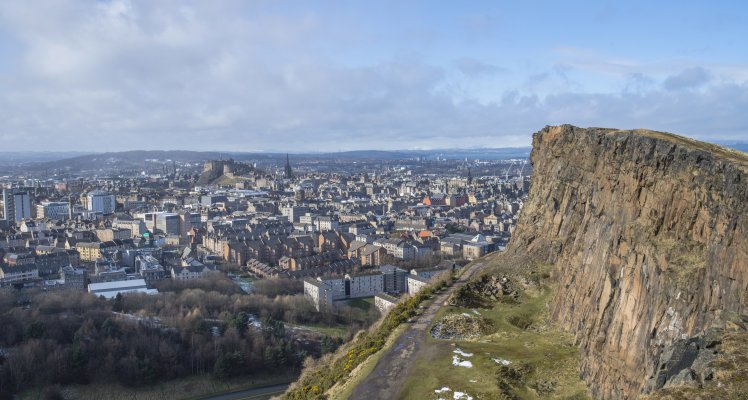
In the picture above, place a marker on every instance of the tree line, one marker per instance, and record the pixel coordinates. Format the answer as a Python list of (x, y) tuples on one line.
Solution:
[(203, 327)]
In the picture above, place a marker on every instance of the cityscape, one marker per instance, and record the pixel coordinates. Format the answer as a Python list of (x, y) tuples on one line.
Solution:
[(382, 200)]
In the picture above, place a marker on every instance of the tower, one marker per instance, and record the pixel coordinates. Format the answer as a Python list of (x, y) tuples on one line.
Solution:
[(9, 208), (289, 172), (17, 205), (470, 177)]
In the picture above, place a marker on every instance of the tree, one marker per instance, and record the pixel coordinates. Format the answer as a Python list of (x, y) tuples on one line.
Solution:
[(117, 305)]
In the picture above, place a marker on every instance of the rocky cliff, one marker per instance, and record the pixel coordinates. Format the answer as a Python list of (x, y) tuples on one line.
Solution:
[(648, 235)]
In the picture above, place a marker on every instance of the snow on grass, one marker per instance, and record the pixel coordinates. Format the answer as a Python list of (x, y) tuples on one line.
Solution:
[(461, 363), (501, 361), (442, 390), (475, 312), (462, 353), (467, 315), (462, 395)]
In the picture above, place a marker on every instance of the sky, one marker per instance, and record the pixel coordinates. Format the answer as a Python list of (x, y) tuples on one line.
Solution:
[(345, 75)]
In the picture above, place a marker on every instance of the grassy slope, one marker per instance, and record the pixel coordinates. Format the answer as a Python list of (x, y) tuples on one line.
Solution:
[(546, 354), (343, 390)]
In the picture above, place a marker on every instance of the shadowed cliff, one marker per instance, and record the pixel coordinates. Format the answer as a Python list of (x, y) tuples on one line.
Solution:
[(647, 234)]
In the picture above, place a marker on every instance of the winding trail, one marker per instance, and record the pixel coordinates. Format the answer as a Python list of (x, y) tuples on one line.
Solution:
[(386, 379)]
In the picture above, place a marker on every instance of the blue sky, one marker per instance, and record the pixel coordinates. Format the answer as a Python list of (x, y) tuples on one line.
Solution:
[(316, 76)]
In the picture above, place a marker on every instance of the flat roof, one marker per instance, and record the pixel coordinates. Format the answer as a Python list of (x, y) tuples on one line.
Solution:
[(116, 285)]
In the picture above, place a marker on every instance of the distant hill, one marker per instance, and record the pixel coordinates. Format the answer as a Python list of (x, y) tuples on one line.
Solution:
[(139, 159)]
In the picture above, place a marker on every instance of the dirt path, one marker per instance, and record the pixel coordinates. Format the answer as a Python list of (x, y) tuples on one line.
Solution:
[(386, 380)]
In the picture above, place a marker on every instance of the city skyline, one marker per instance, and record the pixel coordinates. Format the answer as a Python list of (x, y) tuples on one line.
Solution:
[(327, 77)]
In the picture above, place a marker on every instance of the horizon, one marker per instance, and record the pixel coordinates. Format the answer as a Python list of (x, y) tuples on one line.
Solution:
[(113, 75)]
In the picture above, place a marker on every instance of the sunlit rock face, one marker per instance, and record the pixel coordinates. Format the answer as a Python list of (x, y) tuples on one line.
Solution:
[(647, 233)]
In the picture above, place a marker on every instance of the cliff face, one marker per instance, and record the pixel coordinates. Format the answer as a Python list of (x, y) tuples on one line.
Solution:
[(648, 235)]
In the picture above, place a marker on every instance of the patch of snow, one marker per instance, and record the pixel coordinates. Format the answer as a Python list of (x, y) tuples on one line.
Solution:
[(442, 390), (461, 363), (466, 314), (462, 353), (501, 361), (476, 312), (462, 395), (473, 381)]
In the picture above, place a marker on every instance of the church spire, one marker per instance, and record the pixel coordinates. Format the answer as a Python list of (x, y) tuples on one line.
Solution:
[(289, 172)]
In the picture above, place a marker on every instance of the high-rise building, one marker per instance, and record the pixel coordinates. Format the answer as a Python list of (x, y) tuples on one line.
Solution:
[(101, 201), (16, 205), (57, 210)]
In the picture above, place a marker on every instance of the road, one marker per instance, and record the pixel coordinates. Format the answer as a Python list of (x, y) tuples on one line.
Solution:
[(386, 380), (260, 393)]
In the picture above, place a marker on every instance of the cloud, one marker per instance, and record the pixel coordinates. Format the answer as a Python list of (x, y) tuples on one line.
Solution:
[(687, 79), (227, 76)]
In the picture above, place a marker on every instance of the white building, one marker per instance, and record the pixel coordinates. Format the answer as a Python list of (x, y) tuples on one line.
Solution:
[(101, 201), (384, 302), (112, 289), (322, 292), (58, 210), (416, 284), (365, 284), (190, 269), (319, 293)]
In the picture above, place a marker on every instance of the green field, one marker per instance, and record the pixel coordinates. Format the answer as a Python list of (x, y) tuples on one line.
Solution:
[(544, 362)]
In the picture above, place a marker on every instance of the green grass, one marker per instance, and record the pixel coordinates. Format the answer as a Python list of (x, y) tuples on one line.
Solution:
[(364, 303), (546, 353)]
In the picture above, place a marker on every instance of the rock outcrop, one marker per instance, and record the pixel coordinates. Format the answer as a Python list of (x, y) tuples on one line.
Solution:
[(648, 235)]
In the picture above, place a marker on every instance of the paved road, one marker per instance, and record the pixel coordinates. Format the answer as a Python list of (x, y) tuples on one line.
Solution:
[(260, 393), (386, 380)]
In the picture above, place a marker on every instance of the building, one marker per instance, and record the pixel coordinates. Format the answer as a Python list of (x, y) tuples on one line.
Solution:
[(57, 210), (101, 202), (372, 255), (319, 293), (476, 248), (73, 278), (384, 302), (136, 226), (109, 234), (168, 223), (20, 259), (149, 268), (92, 251), (416, 284), (394, 279), (18, 274), (16, 205), (190, 269), (294, 213), (430, 272), (363, 284), (322, 292), (110, 290)]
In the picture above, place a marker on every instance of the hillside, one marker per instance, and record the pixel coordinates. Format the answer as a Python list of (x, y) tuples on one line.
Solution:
[(646, 232)]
